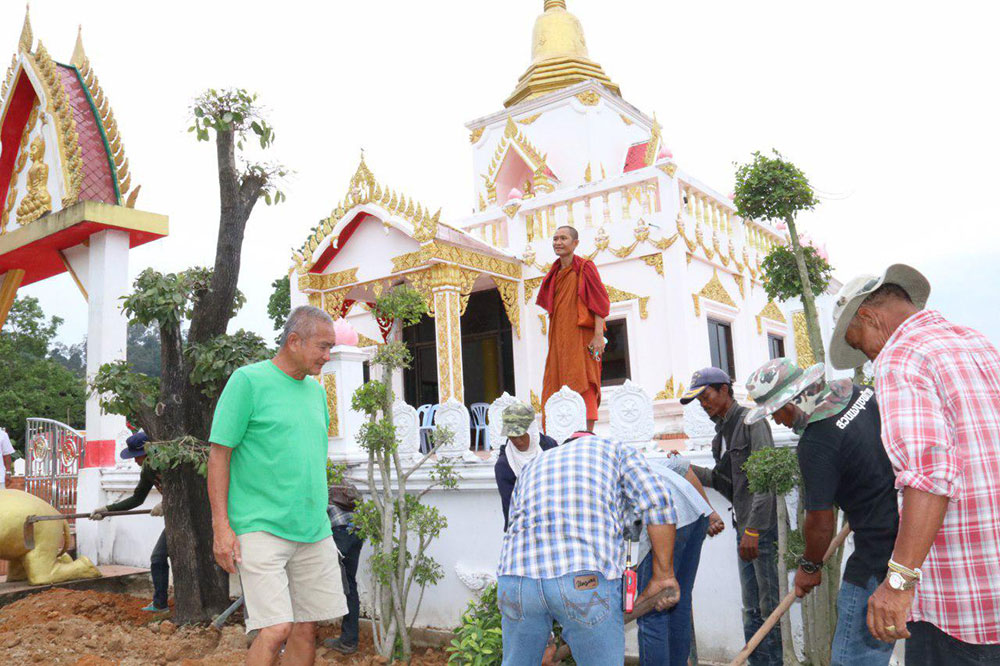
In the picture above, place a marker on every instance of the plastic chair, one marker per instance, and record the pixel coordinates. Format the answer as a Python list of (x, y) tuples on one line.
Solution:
[(479, 411), (425, 416)]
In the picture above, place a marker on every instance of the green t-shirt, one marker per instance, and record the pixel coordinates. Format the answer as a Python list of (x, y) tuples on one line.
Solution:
[(277, 428)]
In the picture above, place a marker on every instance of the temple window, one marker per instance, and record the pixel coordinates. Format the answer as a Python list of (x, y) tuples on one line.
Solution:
[(615, 367), (775, 346), (720, 345)]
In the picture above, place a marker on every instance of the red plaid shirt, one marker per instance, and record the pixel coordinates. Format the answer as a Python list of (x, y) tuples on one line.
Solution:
[(938, 387)]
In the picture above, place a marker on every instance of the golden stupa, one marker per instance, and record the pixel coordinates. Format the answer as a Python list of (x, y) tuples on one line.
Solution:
[(559, 56)]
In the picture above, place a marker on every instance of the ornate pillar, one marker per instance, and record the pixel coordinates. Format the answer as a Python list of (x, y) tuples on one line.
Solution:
[(446, 289), (342, 375)]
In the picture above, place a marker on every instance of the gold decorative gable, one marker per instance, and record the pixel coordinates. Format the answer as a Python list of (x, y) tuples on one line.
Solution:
[(618, 296), (514, 137), (364, 189), (59, 107), (771, 311), (714, 290)]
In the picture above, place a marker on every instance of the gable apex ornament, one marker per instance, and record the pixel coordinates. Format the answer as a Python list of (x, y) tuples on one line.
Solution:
[(27, 38)]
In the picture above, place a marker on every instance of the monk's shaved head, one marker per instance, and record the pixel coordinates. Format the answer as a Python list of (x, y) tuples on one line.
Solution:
[(574, 234)]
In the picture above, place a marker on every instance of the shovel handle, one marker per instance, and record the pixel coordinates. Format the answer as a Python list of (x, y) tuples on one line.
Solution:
[(785, 604), (35, 519), (645, 606)]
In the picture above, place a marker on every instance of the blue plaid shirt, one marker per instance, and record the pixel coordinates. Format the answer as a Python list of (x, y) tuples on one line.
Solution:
[(570, 505)]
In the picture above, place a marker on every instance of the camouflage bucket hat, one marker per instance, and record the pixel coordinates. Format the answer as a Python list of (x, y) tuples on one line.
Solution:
[(778, 382), (517, 418)]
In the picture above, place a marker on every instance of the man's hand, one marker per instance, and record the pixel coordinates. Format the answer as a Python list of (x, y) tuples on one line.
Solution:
[(715, 524), (658, 585), (888, 610), (157, 510), (748, 547), (805, 582), (598, 344), (226, 548), (98, 513)]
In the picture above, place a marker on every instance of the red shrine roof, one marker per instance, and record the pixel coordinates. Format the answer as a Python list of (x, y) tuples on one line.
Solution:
[(63, 171), (635, 158), (98, 182)]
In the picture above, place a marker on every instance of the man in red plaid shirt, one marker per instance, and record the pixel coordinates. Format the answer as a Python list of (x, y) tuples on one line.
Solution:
[(938, 387)]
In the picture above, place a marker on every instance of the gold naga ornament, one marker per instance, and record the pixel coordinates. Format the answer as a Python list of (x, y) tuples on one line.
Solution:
[(48, 562)]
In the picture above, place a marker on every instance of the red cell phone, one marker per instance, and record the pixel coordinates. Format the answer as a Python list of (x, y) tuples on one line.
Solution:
[(630, 583)]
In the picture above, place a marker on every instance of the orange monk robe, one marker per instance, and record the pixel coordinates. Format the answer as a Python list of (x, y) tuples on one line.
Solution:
[(573, 296)]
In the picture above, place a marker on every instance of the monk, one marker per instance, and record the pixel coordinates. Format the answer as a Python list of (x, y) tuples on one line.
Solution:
[(577, 302)]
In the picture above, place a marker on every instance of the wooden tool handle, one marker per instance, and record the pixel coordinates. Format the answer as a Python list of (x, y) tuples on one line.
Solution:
[(35, 519), (785, 604), (640, 609)]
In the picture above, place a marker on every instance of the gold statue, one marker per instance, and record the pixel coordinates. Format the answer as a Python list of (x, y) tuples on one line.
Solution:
[(48, 561), (36, 201)]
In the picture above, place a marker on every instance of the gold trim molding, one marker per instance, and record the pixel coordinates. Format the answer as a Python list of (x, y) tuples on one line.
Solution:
[(803, 350)]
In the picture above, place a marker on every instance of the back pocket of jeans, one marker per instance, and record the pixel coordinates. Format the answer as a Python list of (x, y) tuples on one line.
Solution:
[(587, 607), (509, 597)]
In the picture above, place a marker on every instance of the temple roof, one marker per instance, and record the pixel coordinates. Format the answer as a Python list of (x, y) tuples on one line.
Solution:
[(92, 158), (60, 146), (559, 56)]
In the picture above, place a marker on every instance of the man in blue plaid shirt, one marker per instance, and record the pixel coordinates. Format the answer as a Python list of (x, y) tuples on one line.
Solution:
[(563, 554)]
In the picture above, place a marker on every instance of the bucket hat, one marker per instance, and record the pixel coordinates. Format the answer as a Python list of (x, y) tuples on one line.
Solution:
[(852, 295), (775, 384)]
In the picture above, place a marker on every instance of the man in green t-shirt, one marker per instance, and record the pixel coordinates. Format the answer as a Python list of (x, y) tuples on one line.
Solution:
[(267, 487)]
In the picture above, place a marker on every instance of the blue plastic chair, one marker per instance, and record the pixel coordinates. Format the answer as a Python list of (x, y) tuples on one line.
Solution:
[(479, 411), (425, 417)]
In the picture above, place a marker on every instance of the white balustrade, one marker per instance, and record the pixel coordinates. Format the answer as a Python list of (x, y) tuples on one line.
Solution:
[(565, 413), (631, 411)]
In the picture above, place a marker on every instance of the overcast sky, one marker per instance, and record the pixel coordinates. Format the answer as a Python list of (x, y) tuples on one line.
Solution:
[(889, 107)]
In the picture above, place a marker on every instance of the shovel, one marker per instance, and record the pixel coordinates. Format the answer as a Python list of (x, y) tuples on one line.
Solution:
[(29, 522), (785, 604)]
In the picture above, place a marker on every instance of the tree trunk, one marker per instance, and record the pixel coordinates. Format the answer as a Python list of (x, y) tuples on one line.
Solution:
[(201, 588), (787, 646), (808, 299), (819, 609)]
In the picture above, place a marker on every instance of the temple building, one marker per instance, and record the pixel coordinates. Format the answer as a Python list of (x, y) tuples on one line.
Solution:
[(566, 148)]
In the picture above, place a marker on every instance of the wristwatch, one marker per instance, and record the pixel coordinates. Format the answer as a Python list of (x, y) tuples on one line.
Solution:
[(808, 566), (897, 581)]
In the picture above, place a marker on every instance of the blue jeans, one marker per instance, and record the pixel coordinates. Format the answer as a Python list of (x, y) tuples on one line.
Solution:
[(759, 585), (587, 606), (349, 546), (665, 636), (853, 644)]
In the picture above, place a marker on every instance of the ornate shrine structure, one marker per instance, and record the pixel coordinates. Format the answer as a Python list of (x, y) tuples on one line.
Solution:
[(67, 204), (681, 267)]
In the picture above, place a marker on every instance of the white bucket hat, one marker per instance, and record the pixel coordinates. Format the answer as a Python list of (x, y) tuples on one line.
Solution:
[(850, 297)]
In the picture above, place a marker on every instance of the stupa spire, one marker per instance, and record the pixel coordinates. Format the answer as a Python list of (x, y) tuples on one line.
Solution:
[(27, 39), (79, 56), (559, 56)]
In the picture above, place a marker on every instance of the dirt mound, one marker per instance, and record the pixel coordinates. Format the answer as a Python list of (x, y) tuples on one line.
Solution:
[(87, 628)]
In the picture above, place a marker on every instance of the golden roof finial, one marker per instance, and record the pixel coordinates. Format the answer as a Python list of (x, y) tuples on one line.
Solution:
[(559, 56), (79, 57), (27, 39)]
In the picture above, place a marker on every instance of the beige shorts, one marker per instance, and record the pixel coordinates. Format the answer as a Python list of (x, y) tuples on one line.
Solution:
[(288, 581)]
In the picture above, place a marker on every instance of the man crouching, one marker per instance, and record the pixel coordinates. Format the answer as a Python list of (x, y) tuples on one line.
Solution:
[(267, 487), (562, 555)]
